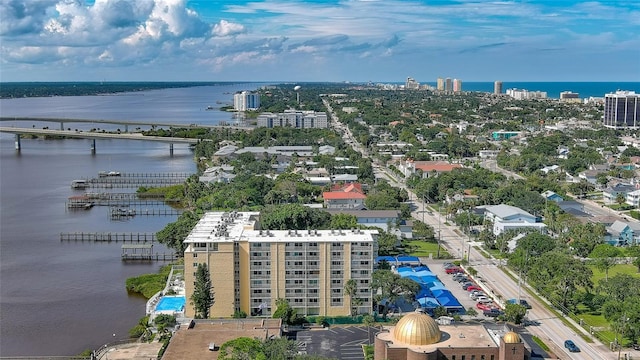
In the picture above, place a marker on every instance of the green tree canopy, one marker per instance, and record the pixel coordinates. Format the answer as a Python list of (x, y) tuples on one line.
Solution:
[(202, 298)]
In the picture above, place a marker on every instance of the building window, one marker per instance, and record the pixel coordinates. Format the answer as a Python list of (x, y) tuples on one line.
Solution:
[(195, 255), (336, 282), (336, 301), (195, 264), (214, 247)]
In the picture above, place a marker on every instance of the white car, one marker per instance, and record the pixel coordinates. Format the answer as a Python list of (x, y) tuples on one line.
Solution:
[(483, 300)]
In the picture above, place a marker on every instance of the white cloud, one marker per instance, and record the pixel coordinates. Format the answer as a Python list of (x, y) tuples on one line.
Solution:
[(225, 28), (294, 33)]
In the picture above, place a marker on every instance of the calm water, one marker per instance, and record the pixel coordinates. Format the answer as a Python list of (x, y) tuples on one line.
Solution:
[(59, 298)]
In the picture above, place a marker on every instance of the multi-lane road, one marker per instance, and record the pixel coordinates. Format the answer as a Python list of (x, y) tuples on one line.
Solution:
[(547, 326)]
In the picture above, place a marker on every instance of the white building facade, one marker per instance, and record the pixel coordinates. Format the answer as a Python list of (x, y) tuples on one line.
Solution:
[(295, 119), (245, 100)]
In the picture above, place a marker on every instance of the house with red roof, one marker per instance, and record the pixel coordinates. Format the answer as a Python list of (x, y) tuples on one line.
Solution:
[(345, 196)]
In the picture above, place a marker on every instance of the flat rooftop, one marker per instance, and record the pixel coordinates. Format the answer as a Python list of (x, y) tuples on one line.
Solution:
[(194, 343)]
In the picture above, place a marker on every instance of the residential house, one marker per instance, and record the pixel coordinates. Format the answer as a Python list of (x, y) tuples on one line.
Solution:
[(620, 233), (610, 194), (428, 168), (548, 169), (633, 198), (220, 174), (552, 196), (563, 152), (347, 196), (590, 176), (488, 154), (387, 220), (507, 217)]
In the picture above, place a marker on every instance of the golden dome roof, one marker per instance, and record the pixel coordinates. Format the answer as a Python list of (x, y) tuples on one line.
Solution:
[(416, 329), (511, 338)]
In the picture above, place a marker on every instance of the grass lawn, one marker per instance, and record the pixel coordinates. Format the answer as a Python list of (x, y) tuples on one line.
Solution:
[(424, 248), (618, 269)]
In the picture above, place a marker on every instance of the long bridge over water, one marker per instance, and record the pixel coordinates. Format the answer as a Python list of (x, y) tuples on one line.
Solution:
[(126, 123), (18, 131)]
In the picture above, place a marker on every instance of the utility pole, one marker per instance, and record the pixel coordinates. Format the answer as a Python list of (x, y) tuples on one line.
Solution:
[(438, 254)]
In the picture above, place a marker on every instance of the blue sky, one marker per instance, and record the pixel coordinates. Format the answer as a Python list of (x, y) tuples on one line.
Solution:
[(332, 40)]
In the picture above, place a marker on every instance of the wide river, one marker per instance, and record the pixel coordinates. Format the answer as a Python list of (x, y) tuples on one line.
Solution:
[(60, 298)]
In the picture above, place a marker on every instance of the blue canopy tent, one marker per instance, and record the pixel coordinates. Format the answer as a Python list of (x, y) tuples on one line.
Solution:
[(417, 279), (422, 273), (424, 292), (408, 260), (390, 259), (404, 269), (436, 285), (449, 302), (428, 302)]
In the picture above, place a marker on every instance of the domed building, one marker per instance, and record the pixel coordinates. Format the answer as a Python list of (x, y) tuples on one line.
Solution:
[(419, 337)]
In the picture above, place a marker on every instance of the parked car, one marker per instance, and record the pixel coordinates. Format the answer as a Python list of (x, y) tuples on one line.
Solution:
[(476, 294), (483, 307), (467, 285), (522, 302), (571, 346), (448, 265), (473, 287), (493, 312), (459, 275), (453, 270), (462, 279), (213, 346), (484, 300)]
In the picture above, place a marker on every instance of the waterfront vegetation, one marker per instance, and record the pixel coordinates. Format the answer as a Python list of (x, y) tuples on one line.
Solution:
[(149, 284)]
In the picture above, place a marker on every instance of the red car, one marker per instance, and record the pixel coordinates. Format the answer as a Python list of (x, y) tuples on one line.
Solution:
[(453, 270), (484, 307), (473, 287)]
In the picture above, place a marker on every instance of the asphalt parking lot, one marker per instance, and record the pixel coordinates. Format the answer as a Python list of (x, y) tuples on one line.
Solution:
[(436, 266), (336, 342)]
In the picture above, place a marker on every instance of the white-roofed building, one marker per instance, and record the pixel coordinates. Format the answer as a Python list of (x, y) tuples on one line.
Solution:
[(507, 217), (251, 268)]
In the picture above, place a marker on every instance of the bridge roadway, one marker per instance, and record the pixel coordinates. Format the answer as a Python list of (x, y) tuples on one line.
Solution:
[(95, 135), (126, 123)]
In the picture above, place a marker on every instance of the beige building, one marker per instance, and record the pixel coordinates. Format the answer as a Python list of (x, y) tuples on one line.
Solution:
[(251, 268), (418, 337)]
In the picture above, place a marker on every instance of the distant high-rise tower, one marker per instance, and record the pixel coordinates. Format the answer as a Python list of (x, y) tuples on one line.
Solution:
[(243, 101), (440, 84), (622, 110), (497, 87), (448, 85), (411, 84), (457, 85)]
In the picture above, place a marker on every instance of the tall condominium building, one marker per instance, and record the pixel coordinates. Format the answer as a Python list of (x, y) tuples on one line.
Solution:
[(243, 101), (497, 87), (448, 84), (295, 119), (411, 84), (440, 84), (526, 94), (622, 110), (251, 268), (457, 85)]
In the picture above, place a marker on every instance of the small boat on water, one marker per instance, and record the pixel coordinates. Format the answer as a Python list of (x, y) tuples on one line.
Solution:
[(110, 173), (210, 108)]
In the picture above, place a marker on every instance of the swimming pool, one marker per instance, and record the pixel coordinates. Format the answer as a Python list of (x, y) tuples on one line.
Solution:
[(171, 303)]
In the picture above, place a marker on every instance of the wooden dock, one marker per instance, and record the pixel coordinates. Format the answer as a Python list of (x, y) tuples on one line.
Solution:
[(116, 213), (126, 237), (144, 252), (156, 175)]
